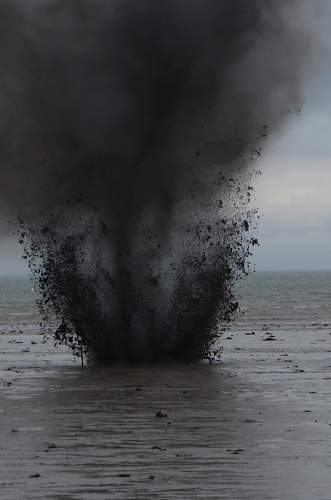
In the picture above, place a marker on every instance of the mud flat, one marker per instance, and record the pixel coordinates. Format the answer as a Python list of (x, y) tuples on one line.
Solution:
[(256, 426)]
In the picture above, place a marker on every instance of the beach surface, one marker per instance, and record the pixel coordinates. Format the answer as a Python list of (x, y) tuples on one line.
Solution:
[(255, 426)]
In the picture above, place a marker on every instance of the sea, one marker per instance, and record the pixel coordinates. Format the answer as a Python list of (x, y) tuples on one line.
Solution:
[(290, 300), (18, 309)]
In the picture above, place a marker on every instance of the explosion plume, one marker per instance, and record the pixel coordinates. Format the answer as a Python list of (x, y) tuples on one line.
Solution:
[(128, 129)]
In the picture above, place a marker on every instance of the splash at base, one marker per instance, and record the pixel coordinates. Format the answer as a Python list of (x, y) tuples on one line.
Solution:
[(155, 300)]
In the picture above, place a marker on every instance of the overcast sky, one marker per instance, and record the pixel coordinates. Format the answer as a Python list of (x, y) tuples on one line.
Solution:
[(292, 194)]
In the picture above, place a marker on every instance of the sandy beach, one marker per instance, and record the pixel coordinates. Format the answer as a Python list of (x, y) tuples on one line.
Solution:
[(256, 426)]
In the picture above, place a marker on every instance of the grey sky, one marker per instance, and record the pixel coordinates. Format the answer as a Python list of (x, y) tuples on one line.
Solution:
[(293, 193)]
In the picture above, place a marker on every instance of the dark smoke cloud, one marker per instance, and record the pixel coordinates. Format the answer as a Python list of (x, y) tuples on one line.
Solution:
[(117, 118), (124, 88)]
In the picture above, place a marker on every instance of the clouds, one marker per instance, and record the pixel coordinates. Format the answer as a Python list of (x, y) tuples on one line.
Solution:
[(293, 194), (71, 110)]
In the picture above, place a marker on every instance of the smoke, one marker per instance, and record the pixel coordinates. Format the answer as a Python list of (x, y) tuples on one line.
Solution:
[(127, 129)]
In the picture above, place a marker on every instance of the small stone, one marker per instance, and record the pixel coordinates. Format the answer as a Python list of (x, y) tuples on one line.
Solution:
[(160, 414), (35, 475)]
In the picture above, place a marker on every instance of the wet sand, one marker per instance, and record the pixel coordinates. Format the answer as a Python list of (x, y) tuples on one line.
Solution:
[(256, 426)]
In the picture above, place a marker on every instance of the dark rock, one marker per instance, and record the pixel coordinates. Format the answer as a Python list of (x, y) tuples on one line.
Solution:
[(160, 414)]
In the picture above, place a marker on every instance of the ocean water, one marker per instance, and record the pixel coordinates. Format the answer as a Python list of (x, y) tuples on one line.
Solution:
[(287, 300), (18, 310), (292, 300)]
